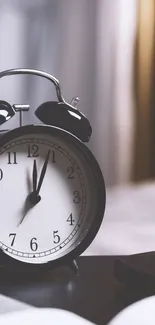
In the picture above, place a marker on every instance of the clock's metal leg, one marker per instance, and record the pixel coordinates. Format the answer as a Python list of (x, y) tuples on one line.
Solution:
[(74, 267)]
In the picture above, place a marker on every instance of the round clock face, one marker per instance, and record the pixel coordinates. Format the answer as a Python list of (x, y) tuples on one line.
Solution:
[(52, 194)]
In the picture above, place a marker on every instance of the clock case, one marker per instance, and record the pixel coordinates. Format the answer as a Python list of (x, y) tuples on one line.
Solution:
[(58, 118)]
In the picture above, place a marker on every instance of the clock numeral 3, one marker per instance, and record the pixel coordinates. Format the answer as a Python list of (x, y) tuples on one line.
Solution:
[(1, 174), (12, 158), (56, 237), (70, 171), (70, 220), (76, 198), (33, 151), (33, 244), (14, 236)]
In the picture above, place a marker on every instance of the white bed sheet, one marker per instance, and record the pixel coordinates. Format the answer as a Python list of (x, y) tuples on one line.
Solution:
[(128, 226)]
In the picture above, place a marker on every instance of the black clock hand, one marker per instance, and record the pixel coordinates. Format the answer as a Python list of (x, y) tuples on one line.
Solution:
[(34, 176), (28, 205), (32, 199), (43, 172)]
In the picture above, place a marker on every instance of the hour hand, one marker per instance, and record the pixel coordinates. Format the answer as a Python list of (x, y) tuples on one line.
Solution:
[(34, 176), (33, 197)]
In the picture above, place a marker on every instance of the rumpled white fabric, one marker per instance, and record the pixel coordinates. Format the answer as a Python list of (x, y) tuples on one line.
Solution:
[(47, 316), (8, 305), (128, 226)]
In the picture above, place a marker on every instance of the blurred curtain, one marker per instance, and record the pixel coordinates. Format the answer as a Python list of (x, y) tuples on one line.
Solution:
[(88, 45), (144, 148)]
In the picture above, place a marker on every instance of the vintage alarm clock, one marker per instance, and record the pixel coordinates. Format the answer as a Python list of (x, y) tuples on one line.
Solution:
[(52, 191)]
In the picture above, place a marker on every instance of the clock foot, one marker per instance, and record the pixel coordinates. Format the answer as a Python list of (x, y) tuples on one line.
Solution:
[(74, 267)]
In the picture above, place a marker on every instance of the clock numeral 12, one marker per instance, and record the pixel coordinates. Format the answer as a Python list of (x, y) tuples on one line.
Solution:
[(12, 158), (33, 151)]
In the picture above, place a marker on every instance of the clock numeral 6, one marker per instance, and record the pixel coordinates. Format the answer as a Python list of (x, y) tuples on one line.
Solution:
[(13, 238), (56, 237), (33, 244), (1, 174), (76, 197), (33, 151)]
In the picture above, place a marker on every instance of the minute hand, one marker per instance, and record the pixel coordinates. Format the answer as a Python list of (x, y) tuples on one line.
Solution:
[(43, 172)]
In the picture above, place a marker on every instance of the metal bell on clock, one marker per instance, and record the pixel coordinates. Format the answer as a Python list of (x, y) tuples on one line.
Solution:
[(65, 116), (6, 111)]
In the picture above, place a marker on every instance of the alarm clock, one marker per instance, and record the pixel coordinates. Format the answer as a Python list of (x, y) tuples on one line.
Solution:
[(52, 191)]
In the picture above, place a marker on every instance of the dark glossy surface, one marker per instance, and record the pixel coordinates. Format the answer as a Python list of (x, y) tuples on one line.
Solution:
[(95, 294), (66, 117), (6, 112)]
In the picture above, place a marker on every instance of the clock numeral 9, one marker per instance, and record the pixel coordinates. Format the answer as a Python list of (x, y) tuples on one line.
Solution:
[(13, 236), (76, 197), (33, 151), (56, 237), (1, 174), (33, 244), (70, 220), (70, 171)]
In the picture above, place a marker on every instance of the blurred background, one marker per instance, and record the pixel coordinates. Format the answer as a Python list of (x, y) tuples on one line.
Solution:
[(102, 51)]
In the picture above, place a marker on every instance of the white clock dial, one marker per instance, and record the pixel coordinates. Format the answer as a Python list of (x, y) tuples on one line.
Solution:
[(50, 228)]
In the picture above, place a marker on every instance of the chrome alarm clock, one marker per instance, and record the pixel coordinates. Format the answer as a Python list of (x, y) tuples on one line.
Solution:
[(52, 191)]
